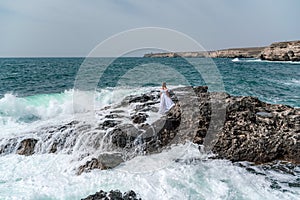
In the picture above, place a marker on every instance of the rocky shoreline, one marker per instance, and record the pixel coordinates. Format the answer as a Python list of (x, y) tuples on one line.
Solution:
[(278, 51), (237, 128), (234, 128), (282, 51)]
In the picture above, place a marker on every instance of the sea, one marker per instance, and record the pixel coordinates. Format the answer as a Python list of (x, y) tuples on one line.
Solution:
[(42, 93)]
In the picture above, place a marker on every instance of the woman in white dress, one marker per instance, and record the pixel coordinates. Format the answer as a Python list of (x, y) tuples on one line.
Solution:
[(166, 102)]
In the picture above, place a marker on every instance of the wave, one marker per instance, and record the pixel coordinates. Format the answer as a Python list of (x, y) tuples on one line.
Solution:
[(236, 60), (293, 82), (15, 111), (30, 174), (265, 61), (33, 108)]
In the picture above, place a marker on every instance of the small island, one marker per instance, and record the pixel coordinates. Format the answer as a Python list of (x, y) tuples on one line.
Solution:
[(278, 51)]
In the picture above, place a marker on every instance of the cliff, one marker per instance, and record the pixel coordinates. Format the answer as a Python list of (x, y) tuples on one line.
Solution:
[(278, 51), (282, 51), (252, 52)]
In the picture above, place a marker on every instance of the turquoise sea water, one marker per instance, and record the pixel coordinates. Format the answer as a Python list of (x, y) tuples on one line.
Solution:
[(38, 92), (270, 81)]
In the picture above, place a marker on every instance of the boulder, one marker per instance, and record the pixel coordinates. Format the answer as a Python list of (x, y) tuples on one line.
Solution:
[(110, 123), (110, 160), (104, 161), (139, 118), (90, 165), (26, 147), (250, 134), (123, 135), (113, 195)]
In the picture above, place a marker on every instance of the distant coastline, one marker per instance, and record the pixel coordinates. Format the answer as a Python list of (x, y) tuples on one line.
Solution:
[(278, 51)]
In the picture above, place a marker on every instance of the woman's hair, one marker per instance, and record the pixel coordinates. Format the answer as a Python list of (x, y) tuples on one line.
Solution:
[(164, 85)]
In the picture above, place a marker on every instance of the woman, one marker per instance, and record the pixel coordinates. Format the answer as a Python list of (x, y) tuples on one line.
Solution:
[(165, 101)]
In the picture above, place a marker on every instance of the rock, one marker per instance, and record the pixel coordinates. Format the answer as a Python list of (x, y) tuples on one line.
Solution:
[(113, 195), (250, 130), (278, 51), (161, 133), (104, 161), (110, 160), (264, 114), (198, 89), (282, 51), (90, 165), (119, 138), (8, 145), (223, 53), (124, 135), (141, 98), (251, 134), (110, 123), (26, 147), (113, 116), (139, 118)]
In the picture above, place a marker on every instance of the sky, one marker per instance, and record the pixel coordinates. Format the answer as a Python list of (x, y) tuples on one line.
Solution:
[(63, 28)]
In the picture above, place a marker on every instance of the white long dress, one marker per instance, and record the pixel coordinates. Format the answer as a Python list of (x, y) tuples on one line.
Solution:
[(166, 102)]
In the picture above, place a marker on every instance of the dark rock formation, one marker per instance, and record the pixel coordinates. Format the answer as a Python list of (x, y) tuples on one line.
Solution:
[(104, 161), (151, 138), (139, 118), (113, 195), (26, 147), (110, 123), (124, 135), (8, 146), (235, 128), (90, 165), (253, 130)]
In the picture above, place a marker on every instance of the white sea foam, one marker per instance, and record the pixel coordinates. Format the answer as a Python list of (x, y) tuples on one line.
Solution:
[(235, 60), (293, 82), (23, 113), (269, 61), (51, 177), (157, 176), (264, 61)]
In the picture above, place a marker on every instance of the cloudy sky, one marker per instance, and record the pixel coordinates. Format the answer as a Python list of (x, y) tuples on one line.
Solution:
[(75, 27)]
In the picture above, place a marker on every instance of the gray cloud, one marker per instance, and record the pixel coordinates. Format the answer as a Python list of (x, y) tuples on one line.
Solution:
[(74, 28)]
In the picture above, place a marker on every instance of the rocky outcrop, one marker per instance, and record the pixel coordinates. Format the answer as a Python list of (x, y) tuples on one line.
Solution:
[(234, 128), (282, 51), (237, 53), (113, 195), (252, 130), (278, 51), (237, 128), (26, 147), (252, 52), (259, 132)]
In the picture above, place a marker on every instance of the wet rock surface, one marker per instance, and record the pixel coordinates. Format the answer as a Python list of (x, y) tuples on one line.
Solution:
[(113, 195), (104, 161), (250, 130), (234, 128), (26, 147), (139, 118)]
